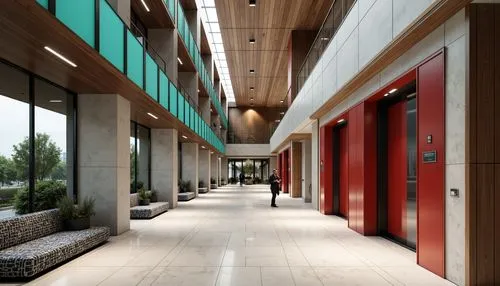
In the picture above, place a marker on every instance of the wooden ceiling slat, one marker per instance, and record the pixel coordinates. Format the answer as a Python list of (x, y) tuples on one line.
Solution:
[(270, 23)]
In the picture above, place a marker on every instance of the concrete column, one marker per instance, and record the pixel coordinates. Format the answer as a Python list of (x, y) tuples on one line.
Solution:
[(204, 104), (315, 165), (204, 167), (209, 64), (190, 164), (224, 169), (306, 171), (164, 165), (219, 171), (164, 41), (122, 8), (189, 82), (194, 22), (104, 158)]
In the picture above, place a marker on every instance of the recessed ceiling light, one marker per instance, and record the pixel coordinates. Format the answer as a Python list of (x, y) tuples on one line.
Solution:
[(393, 90), (179, 60), (341, 120), (60, 56), (152, 115), (211, 110), (251, 41), (185, 137), (325, 39), (251, 88), (252, 71), (281, 101), (198, 90), (251, 98), (55, 101), (212, 152), (386, 94), (203, 147), (252, 3), (145, 6), (282, 112), (277, 120)]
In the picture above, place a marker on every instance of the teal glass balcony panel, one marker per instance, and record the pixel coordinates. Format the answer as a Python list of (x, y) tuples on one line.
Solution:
[(173, 99), (164, 88), (186, 112), (170, 7), (135, 60), (78, 16), (191, 118), (111, 36), (151, 77), (43, 3), (180, 107)]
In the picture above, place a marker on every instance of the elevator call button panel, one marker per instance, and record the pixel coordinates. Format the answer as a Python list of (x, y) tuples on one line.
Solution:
[(429, 156)]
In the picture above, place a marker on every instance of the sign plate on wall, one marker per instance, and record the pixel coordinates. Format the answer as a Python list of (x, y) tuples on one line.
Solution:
[(429, 156)]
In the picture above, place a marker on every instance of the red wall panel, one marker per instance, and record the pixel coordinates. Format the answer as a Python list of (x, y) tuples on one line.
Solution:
[(362, 132), (430, 185), (397, 169), (326, 170)]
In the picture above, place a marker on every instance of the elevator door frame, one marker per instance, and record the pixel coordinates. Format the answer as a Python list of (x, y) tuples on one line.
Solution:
[(337, 165)]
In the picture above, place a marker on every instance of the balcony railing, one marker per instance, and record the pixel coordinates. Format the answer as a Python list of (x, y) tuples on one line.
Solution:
[(97, 24), (336, 15)]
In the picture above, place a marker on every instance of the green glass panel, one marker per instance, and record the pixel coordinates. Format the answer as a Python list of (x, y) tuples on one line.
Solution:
[(111, 36), (151, 77), (164, 85), (78, 16), (43, 3), (173, 99), (180, 109), (186, 113), (135, 60)]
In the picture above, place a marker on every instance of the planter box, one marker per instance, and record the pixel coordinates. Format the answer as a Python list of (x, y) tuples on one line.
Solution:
[(213, 186), (184, 197), (203, 190)]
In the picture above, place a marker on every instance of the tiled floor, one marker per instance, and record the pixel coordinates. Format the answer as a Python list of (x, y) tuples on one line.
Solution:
[(232, 237)]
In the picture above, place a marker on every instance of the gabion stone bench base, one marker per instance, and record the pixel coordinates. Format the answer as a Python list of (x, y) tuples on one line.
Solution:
[(149, 211), (202, 190), (33, 257), (184, 197)]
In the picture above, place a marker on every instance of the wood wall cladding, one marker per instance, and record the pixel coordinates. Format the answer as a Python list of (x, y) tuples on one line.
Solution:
[(252, 125), (270, 23), (483, 147)]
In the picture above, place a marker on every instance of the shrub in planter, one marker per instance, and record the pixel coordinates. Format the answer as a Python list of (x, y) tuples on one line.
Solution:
[(139, 186), (45, 197), (144, 197), (212, 181), (184, 186), (201, 184), (257, 181), (233, 180), (153, 196), (76, 217)]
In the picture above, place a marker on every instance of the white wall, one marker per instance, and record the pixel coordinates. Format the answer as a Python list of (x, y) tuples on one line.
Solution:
[(248, 150), (369, 27), (306, 170)]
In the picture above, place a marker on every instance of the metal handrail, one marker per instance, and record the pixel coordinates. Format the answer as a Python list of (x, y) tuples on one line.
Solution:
[(149, 48), (318, 36)]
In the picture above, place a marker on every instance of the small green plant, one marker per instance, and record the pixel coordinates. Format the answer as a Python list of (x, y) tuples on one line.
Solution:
[(212, 181), (184, 186), (144, 195), (69, 211), (45, 197), (201, 184)]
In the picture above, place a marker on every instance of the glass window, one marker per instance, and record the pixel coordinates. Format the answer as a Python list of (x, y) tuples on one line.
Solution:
[(14, 160), (53, 138), (140, 155)]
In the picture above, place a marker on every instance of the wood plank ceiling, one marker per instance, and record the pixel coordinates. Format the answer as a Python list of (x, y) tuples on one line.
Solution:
[(270, 23)]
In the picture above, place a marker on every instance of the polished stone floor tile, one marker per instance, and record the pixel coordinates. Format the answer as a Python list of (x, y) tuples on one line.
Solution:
[(231, 236)]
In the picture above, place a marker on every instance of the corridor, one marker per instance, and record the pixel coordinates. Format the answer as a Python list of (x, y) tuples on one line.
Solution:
[(231, 236)]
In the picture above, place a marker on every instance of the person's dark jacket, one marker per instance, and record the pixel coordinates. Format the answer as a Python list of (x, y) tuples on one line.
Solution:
[(242, 177), (274, 181)]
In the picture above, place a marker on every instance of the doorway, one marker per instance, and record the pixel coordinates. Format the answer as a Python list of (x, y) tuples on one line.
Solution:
[(397, 187), (340, 170)]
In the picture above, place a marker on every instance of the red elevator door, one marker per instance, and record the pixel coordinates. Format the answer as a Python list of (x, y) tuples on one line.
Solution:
[(397, 169), (343, 172)]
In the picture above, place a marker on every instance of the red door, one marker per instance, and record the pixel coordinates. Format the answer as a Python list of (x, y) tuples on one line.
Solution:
[(396, 169), (343, 172)]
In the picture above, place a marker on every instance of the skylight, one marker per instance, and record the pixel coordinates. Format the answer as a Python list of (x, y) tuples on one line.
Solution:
[(211, 24)]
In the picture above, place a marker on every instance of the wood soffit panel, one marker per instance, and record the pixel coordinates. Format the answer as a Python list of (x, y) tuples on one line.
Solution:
[(270, 24)]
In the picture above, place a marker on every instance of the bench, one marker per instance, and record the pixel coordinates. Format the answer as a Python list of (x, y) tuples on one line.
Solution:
[(187, 196), (146, 212), (33, 243), (203, 190)]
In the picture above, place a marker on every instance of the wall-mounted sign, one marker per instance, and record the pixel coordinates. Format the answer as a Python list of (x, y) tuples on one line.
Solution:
[(429, 156)]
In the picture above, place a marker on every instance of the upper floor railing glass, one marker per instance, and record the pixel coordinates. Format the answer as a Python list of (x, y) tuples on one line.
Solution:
[(96, 23), (331, 24)]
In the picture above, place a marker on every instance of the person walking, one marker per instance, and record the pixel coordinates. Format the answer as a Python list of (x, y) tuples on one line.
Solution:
[(275, 181), (242, 179)]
